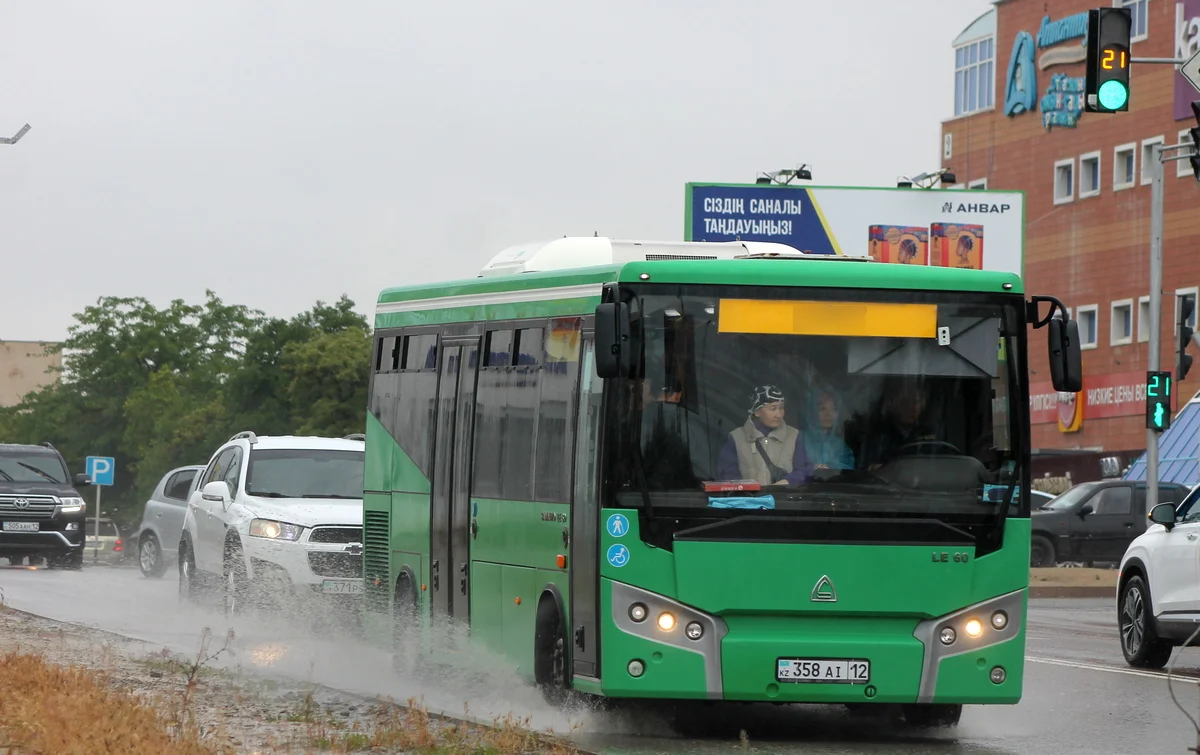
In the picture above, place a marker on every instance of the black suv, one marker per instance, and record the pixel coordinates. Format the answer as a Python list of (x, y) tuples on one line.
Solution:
[(1094, 521), (42, 514)]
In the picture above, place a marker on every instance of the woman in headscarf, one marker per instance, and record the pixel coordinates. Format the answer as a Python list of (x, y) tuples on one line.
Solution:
[(823, 441), (766, 448)]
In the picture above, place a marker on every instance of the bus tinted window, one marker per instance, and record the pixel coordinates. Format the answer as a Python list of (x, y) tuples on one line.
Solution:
[(560, 375)]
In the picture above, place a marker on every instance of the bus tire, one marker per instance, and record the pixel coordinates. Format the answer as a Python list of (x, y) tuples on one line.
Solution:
[(404, 626), (923, 716), (550, 653)]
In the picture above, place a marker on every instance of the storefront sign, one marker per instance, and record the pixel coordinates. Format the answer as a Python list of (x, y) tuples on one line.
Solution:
[(1062, 102), (1121, 394)]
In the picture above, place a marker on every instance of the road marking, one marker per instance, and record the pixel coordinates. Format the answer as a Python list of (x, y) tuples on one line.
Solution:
[(1113, 670)]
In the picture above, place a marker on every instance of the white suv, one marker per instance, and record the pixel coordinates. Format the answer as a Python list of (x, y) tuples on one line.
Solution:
[(276, 522), (1158, 587)]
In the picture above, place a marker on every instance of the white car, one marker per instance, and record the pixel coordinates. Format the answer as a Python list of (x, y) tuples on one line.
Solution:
[(1158, 587), (276, 522)]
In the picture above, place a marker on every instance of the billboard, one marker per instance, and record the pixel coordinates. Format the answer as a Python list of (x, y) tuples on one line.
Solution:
[(944, 227)]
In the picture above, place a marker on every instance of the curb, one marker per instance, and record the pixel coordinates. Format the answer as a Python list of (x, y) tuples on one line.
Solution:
[(1072, 591)]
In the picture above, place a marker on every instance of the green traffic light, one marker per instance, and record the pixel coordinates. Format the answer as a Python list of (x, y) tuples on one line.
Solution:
[(1112, 95)]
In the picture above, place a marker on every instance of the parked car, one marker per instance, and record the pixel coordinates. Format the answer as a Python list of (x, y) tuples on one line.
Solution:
[(1093, 521), (1038, 499), (1158, 593), (41, 510), (162, 520), (107, 547), (277, 522)]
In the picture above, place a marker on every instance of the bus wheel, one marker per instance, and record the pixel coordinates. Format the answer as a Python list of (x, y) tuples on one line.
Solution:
[(550, 654), (932, 716), (404, 628)]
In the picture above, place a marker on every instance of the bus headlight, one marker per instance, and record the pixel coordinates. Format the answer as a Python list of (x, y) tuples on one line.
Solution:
[(999, 620), (973, 628), (694, 631), (637, 612), (948, 636), (666, 621)]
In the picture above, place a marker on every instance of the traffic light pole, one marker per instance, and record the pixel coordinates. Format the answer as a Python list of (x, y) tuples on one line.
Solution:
[(1154, 361)]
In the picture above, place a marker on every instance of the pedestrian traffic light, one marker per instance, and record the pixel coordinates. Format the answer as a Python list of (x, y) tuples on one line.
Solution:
[(1106, 84), (1158, 400), (1194, 133), (1186, 305)]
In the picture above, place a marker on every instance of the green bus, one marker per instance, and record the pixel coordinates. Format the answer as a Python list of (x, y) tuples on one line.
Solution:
[(608, 463)]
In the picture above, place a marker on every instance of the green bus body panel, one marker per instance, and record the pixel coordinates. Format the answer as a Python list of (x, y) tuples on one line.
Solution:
[(377, 467), (520, 532), (763, 592), (501, 284)]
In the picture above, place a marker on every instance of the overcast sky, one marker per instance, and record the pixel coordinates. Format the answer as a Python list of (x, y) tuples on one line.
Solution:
[(284, 152)]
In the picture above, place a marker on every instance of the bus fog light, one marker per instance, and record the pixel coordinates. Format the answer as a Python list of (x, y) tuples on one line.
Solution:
[(666, 622), (998, 675), (948, 636), (999, 619), (694, 630), (973, 628), (637, 612), (636, 668)]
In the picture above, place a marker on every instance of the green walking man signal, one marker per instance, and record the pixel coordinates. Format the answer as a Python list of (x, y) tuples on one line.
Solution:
[(1158, 400)]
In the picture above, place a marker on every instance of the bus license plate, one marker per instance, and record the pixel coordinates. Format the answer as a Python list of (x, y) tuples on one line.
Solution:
[(824, 670), (20, 526), (338, 587)]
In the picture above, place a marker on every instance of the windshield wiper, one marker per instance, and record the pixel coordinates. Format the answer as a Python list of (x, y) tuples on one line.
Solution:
[(267, 494), (332, 495), (42, 472), (7, 476)]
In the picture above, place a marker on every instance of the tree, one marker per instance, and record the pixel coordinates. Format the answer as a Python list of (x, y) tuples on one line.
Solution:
[(328, 382)]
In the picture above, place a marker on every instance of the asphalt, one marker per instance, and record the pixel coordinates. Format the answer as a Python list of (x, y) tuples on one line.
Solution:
[(1079, 695)]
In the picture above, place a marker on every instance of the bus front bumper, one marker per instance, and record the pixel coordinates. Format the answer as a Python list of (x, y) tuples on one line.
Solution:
[(974, 655)]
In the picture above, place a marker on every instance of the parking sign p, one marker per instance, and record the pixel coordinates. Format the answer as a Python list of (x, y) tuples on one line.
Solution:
[(101, 469)]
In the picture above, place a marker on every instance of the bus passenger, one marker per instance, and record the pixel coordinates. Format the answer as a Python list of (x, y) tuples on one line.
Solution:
[(766, 448), (823, 442), (899, 424)]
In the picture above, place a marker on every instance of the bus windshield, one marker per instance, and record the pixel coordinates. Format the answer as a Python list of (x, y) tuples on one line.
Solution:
[(877, 407)]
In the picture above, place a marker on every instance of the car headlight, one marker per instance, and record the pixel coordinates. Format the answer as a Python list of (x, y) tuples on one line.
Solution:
[(70, 505), (269, 528)]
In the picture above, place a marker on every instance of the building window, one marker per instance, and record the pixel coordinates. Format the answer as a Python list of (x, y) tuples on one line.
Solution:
[(1122, 322), (974, 77), (1089, 175), (1140, 28), (1124, 173), (1191, 294), (1143, 319), (1183, 167), (1064, 181), (1148, 157), (979, 183), (1088, 325)]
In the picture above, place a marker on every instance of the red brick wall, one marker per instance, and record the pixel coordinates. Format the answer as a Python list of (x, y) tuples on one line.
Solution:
[(1093, 250)]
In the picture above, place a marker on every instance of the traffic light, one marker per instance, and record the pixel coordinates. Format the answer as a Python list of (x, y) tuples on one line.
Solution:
[(1158, 400), (1108, 58), (1183, 360)]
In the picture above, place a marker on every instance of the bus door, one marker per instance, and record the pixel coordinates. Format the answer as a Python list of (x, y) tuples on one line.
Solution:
[(585, 522), (450, 501)]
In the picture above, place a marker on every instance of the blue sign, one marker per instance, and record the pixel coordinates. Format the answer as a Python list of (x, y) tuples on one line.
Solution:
[(102, 469), (1056, 32), (618, 555), (1020, 95), (780, 214), (617, 525), (1063, 102)]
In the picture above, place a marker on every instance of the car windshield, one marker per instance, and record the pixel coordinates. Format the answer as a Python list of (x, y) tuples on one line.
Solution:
[(305, 473), (820, 407), (1069, 499), (31, 467)]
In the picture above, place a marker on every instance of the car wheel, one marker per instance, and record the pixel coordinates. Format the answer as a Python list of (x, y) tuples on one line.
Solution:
[(237, 593), (16, 560), (1140, 643), (150, 557), (187, 574), (1041, 552)]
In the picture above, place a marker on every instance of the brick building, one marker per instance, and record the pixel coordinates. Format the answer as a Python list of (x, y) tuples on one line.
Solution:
[(1019, 124)]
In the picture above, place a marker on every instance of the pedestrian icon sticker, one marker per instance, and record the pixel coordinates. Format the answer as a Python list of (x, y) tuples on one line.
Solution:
[(618, 525), (618, 555)]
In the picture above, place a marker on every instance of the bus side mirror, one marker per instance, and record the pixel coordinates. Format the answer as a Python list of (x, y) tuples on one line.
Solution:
[(612, 339), (1066, 360)]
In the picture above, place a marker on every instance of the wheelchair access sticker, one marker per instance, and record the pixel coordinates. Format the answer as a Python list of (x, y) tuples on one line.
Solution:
[(618, 555)]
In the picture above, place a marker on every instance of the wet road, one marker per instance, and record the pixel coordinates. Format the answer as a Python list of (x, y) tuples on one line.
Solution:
[(1079, 694)]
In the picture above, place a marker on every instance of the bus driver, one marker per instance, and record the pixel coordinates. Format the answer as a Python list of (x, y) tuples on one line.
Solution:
[(766, 448)]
